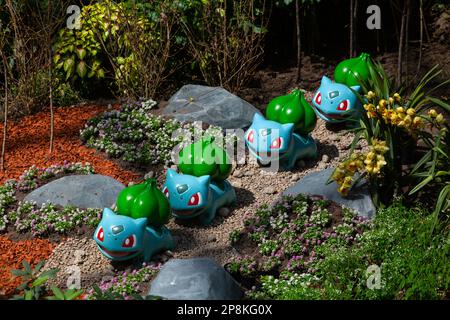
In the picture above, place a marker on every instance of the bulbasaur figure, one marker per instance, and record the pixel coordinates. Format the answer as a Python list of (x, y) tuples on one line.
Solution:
[(121, 237), (270, 141), (335, 102), (191, 197)]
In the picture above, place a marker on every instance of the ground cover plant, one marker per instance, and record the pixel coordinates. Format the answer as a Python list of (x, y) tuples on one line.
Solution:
[(284, 242), (19, 216), (413, 262), (135, 135), (129, 285), (301, 250)]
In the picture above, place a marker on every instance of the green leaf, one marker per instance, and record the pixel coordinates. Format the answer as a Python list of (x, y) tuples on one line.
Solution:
[(421, 185), (68, 64), (440, 103), (58, 293), (49, 273), (56, 58), (422, 161), (18, 273), (72, 294), (100, 73), (29, 295), (81, 53), (27, 267), (82, 69), (39, 281), (39, 266)]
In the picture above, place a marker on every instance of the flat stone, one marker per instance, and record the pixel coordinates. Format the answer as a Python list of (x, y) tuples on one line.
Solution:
[(358, 199), (82, 191), (195, 279), (212, 105)]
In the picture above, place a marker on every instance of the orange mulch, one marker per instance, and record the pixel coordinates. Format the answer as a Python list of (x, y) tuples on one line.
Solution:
[(28, 143), (11, 256)]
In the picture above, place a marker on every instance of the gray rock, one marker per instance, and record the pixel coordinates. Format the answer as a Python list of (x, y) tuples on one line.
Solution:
[(195, 279), (315, 184), (212, 105), (82, 191)]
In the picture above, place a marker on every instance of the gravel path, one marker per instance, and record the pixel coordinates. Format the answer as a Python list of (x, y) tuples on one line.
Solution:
[(254, 187)]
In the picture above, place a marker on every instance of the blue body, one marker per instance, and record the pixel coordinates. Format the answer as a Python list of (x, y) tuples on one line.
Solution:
[(115, 230), (291, 147), (191, 196), (335, 102)]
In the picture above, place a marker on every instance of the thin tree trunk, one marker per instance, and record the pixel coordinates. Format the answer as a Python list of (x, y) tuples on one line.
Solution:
[(52, 116), (299, 41), (400, 46), (351, 28), (5, 120), (394, 17), (421, 36), (408, 13)]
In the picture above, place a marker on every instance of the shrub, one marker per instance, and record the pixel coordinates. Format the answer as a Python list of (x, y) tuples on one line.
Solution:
[(126, 43), (27, 29), (225, 38)]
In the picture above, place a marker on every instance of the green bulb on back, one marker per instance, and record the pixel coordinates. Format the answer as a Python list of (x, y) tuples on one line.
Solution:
[(352, 71), (292, 108), (144, 200), (204, 157)]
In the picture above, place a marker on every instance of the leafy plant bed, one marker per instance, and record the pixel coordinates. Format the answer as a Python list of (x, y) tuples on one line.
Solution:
[(27, 220), (286, 240), (337, 255), (135, 135)]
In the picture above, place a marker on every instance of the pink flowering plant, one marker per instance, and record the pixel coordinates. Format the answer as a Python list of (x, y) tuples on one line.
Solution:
[(287, 241), (47, 218), (125, 285)]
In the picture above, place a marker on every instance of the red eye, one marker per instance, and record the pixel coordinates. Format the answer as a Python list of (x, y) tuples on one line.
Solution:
[(100, 234), (343, 105), (318, 98), (129, 242), (166, 192), (195, 199), (250, 136), (277, 143)]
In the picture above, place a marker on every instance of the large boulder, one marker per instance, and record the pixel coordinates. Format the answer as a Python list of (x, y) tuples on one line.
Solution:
[(358, 199), (212, 105), (82, 191), (195, 279)]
